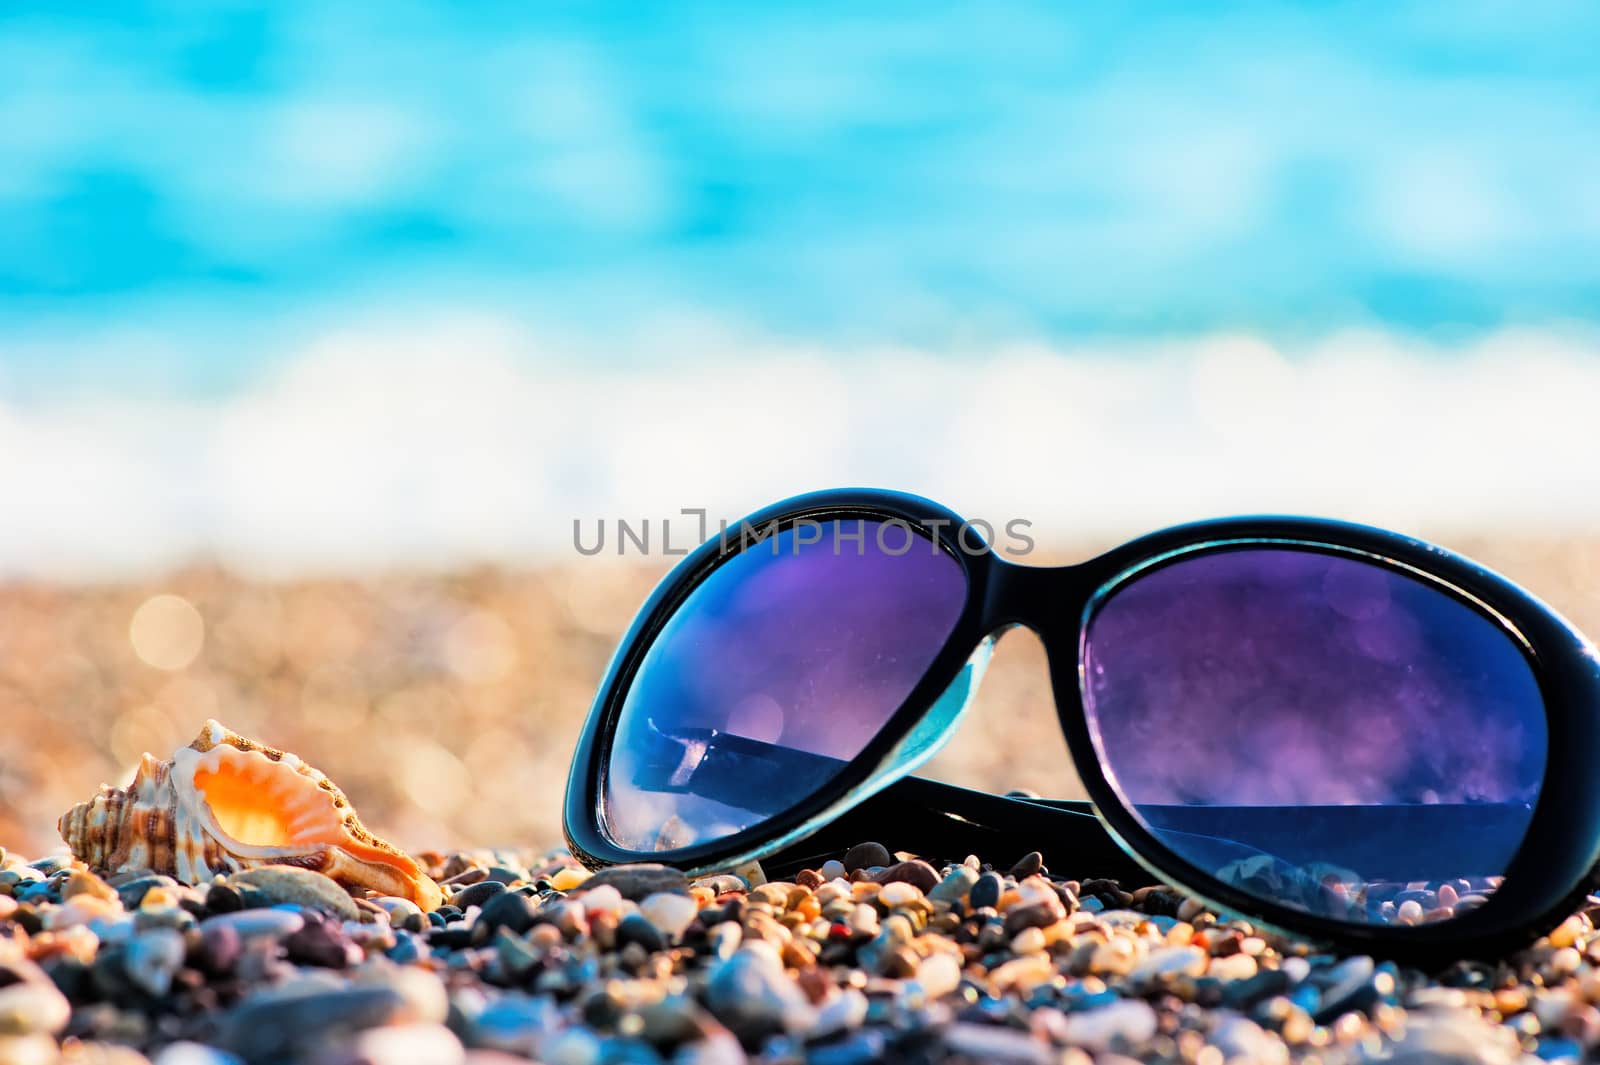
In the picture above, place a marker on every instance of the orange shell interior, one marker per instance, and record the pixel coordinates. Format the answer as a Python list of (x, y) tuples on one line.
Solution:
[(261, 803)]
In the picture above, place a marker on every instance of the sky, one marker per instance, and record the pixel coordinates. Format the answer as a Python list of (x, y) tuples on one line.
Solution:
[(271, 274)]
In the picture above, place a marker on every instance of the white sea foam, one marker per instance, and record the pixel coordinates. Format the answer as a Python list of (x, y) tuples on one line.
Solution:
[(470, 438)]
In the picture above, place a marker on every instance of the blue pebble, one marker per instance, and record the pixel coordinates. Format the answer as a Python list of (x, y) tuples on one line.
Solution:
[(617, 1050), (860, 1048), (1559, 1049)]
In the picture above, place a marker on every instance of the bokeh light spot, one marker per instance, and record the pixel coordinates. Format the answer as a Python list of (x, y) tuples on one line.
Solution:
[(167, 632), (481, 648)]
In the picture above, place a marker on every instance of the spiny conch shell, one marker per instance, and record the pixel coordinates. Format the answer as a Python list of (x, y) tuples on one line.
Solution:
[(225, 803)]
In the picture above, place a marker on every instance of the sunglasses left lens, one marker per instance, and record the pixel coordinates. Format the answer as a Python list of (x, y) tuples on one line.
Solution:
[(777, 670)]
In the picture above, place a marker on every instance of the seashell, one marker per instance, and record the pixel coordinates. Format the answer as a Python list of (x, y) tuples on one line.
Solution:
[(225, 803)]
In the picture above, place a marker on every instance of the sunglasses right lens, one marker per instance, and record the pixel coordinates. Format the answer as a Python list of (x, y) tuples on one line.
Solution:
[(1318, 730), (777, 670)]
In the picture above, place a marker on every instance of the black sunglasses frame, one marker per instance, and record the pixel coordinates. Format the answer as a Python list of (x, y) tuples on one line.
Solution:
[(1552, 871)]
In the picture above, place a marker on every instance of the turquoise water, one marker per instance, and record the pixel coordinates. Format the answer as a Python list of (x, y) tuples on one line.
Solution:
[(331, 286), (914, 173)]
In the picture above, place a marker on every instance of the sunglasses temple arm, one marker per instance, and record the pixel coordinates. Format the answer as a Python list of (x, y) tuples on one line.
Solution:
[(925, 817), (943, 822)]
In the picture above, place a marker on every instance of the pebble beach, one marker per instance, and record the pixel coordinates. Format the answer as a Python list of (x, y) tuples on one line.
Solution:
[(445, 706), (874, 956)]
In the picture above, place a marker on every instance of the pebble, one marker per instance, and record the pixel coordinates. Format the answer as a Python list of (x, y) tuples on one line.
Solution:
[(851, 962), (33, 1007), (516, 1024), (956, 884), (842, 1012), (918, 874), (636, 928), (271, 1028), (861, 1048), (186, 1053), (573, 1047), (1028, 865), (299, 887), (83, 882), (867, 856), (1129, 1020), (985, 892), (1028, 941), (1235, 969), (751, 994), (275, 924), (601, 899), (402, 1044), (220, 898), (510, 910), (403, 913), (1360, 988), (1002, 1046), (220, 947), (569, 878), (898, 893), (722, 883), (151, 959), (670, 913), (1039, 914), (939, 975), (635, 882), (477, 894), (1450, 1037), (1241, 1038), (1167, 962), (422, 992), (322, 942)]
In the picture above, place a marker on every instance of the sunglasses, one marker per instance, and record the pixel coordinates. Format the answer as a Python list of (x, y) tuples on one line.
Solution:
[(1341, 732)]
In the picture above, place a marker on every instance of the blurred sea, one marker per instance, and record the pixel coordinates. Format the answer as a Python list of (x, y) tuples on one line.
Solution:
[(450, 441), (300, 288)]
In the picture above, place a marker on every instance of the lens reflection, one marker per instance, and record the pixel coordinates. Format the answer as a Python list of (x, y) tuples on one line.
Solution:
[(1320, 730), (777, 670)]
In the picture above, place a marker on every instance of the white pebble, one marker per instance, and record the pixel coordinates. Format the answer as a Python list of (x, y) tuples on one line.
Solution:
[(33, 1007), (260, 922), (29, 1050), (602, 899), (1239, 1038), (898, 893), (840, 1013), (1233, 967), (1295, 968), (1028, 941), (671, 913), (1036, 889), (398, 908), (153, 957), (421, 989), (193, 1054), (409, 1044), (939, 974), (1171, 961), (1130, 1018)]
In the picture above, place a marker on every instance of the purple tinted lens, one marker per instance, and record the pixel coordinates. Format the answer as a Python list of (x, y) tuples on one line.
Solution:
[(777, 670), (1319, 730)]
